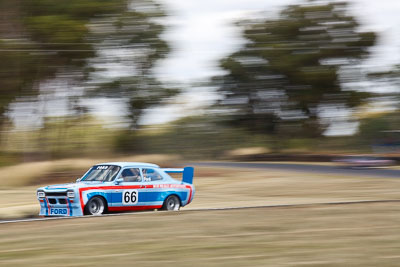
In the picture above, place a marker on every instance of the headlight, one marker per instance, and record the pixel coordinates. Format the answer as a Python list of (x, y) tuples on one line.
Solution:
[(41, 194), (70, 194)]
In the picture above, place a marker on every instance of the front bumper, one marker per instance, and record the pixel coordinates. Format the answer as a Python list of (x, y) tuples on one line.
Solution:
[(59, 206)]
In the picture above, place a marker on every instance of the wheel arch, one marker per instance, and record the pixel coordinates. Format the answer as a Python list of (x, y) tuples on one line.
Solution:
[(173, 194), (100, 196)]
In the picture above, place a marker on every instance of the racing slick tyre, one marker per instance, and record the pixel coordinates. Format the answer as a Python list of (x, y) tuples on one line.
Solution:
[(95, 206), (172, 203)]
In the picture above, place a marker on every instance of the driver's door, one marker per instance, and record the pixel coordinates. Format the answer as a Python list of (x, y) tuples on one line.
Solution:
[(125, 195)]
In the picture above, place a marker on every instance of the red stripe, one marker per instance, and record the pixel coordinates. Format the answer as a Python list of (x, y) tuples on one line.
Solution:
[(126, 187), (126, 208), (190, 194), (81, 199)]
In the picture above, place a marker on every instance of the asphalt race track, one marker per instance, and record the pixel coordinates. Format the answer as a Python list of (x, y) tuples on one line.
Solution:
[(204, 209), (323, 169)]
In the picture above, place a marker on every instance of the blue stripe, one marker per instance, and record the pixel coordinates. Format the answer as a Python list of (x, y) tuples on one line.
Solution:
[(70, 208), (45, 205), (116, 197), (106, 195)]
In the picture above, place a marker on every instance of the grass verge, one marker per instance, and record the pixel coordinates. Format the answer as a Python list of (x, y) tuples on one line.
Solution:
[(343, 235)]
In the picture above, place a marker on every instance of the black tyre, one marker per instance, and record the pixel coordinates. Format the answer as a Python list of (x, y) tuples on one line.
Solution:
[(95, 206), (172, 203)]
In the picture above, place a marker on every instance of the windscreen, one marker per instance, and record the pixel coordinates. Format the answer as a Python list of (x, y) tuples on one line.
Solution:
[(103, 173)]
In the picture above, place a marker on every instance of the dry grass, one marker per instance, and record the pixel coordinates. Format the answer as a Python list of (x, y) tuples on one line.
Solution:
[(321, 235), (31, 173), (16, 203), (345, 235), (245, 187)]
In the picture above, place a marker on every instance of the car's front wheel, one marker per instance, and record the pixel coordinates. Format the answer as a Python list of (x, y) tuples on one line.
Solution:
[(95, 206), (172, 203)]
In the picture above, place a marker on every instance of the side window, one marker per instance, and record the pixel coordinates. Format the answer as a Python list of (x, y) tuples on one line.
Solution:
[(131, 175), (151, 175)]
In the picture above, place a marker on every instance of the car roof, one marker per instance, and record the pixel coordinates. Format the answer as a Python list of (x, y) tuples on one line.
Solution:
[(130, 164)]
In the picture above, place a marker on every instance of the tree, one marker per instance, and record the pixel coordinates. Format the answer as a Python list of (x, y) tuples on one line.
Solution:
[(138, 33), (40, 38), (66, 36), (290, 69), (17, 65), (389, 79), (382, 129)]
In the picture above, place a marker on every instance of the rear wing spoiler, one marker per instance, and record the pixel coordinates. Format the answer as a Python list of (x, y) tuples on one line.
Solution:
[(187, 172)]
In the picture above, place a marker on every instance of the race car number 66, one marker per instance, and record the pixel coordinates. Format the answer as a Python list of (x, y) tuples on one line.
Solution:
[(129, 197)]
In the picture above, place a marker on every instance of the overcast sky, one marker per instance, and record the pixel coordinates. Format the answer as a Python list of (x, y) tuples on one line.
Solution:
[(201, 32)]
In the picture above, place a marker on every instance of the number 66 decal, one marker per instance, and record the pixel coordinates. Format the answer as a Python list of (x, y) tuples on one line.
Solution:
[(129, 197)]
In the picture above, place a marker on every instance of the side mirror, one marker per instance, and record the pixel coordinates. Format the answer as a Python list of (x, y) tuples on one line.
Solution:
[(78, 180), (119, 180)]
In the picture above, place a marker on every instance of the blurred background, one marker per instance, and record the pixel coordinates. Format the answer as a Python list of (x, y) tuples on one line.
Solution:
[(198, 80), (179, 82)]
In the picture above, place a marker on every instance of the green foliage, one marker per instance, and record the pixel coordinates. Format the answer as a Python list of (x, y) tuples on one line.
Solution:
[(75, 8), (290, 68), (60, 36), (57, 29), (140, 93), (378, 129), (139, 33), (191, 137), (62, 26), (63, 137), (9, 69), (47, 36)]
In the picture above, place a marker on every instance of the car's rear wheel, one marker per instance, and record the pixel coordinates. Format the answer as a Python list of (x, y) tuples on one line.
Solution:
[(95, 206), (172, 203)]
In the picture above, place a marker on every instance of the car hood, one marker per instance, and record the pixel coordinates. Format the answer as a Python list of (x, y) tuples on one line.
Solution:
[(71, 185)]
